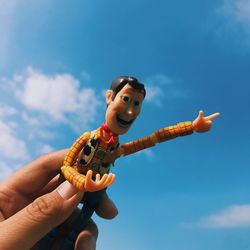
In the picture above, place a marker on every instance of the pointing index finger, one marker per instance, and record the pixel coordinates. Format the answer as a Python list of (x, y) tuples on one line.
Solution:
[(210, 117)]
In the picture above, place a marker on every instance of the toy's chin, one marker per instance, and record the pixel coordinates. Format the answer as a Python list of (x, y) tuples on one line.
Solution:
[(123, 123)]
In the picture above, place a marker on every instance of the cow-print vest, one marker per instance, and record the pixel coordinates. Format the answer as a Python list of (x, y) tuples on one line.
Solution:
[(94, 153)]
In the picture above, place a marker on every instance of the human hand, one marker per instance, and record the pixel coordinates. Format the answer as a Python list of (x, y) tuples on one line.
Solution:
[(203, 124), (32, 203)]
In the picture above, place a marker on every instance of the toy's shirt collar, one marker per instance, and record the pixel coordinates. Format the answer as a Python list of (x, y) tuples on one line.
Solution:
[(107, 135)]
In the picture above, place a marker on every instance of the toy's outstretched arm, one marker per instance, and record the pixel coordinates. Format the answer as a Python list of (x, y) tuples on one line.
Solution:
[(80, 181), (158, 136), (200, 124)]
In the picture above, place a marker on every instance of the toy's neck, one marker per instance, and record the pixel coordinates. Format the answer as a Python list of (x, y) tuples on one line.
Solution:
[(113, 137), (107, 129)]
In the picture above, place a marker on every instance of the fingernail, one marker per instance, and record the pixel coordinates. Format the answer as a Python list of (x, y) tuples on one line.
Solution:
[(66, 190)]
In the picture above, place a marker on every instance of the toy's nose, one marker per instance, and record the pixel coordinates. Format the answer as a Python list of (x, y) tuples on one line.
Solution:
[(130, 111)]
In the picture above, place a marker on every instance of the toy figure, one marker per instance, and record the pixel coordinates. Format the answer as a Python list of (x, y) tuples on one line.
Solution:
[(88, 161), (94, 152)]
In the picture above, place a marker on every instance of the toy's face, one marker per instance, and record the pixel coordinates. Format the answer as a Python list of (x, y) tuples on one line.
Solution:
[(123, 110)]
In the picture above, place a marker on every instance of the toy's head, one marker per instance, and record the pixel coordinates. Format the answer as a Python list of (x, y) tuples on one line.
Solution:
[(124, 100)]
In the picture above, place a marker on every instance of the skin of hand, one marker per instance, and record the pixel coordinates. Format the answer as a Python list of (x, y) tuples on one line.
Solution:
[(32, 202), (203, 124)]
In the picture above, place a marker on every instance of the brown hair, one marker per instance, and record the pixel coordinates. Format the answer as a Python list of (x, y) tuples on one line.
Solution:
[(121, 81)]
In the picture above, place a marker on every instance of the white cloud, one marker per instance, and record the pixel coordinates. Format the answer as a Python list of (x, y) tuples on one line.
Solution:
[(235, 216), (154, 94), (58, 96), (159, 79), (50, 104), (53, 95), (11, 147), (160, 86)]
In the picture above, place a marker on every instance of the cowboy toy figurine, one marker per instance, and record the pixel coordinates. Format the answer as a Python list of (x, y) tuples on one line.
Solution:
[(88, 162)]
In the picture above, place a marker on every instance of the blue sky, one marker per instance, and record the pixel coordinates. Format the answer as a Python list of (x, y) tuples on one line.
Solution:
[(57, 58)]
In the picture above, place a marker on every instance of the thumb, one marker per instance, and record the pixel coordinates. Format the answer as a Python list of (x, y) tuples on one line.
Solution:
[(30, 224), (201, 115)]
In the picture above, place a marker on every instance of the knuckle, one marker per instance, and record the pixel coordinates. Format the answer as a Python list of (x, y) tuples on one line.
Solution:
[(44, 207), (44, 158), (112, 214), (87, 237), (93, 228)]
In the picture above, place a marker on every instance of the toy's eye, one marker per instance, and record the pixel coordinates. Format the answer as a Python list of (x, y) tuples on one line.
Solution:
[(125, 98), (136, 103)]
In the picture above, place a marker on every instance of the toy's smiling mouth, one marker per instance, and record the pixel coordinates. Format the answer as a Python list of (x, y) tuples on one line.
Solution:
[(123, 123)]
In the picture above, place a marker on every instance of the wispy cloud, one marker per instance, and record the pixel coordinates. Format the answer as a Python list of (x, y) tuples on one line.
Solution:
[(233, 21), (236, 216), (154, 94), (239, 11), (160, 86), (6, 110)]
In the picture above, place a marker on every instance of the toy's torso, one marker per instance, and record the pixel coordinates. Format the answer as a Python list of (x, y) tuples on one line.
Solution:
[(97, 153)]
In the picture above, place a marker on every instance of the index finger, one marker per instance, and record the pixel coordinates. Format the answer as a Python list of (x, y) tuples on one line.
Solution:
[(35, 175), (210, 117)]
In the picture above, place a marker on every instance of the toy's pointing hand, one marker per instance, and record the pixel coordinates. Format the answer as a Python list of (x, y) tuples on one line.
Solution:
[(203, 124)]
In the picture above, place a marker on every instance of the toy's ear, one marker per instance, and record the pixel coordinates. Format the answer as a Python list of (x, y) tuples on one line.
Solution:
[(109, 96)]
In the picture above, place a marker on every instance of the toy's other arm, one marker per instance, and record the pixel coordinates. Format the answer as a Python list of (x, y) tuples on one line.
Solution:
[(75, 149), (80, 181), (200, 124)]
